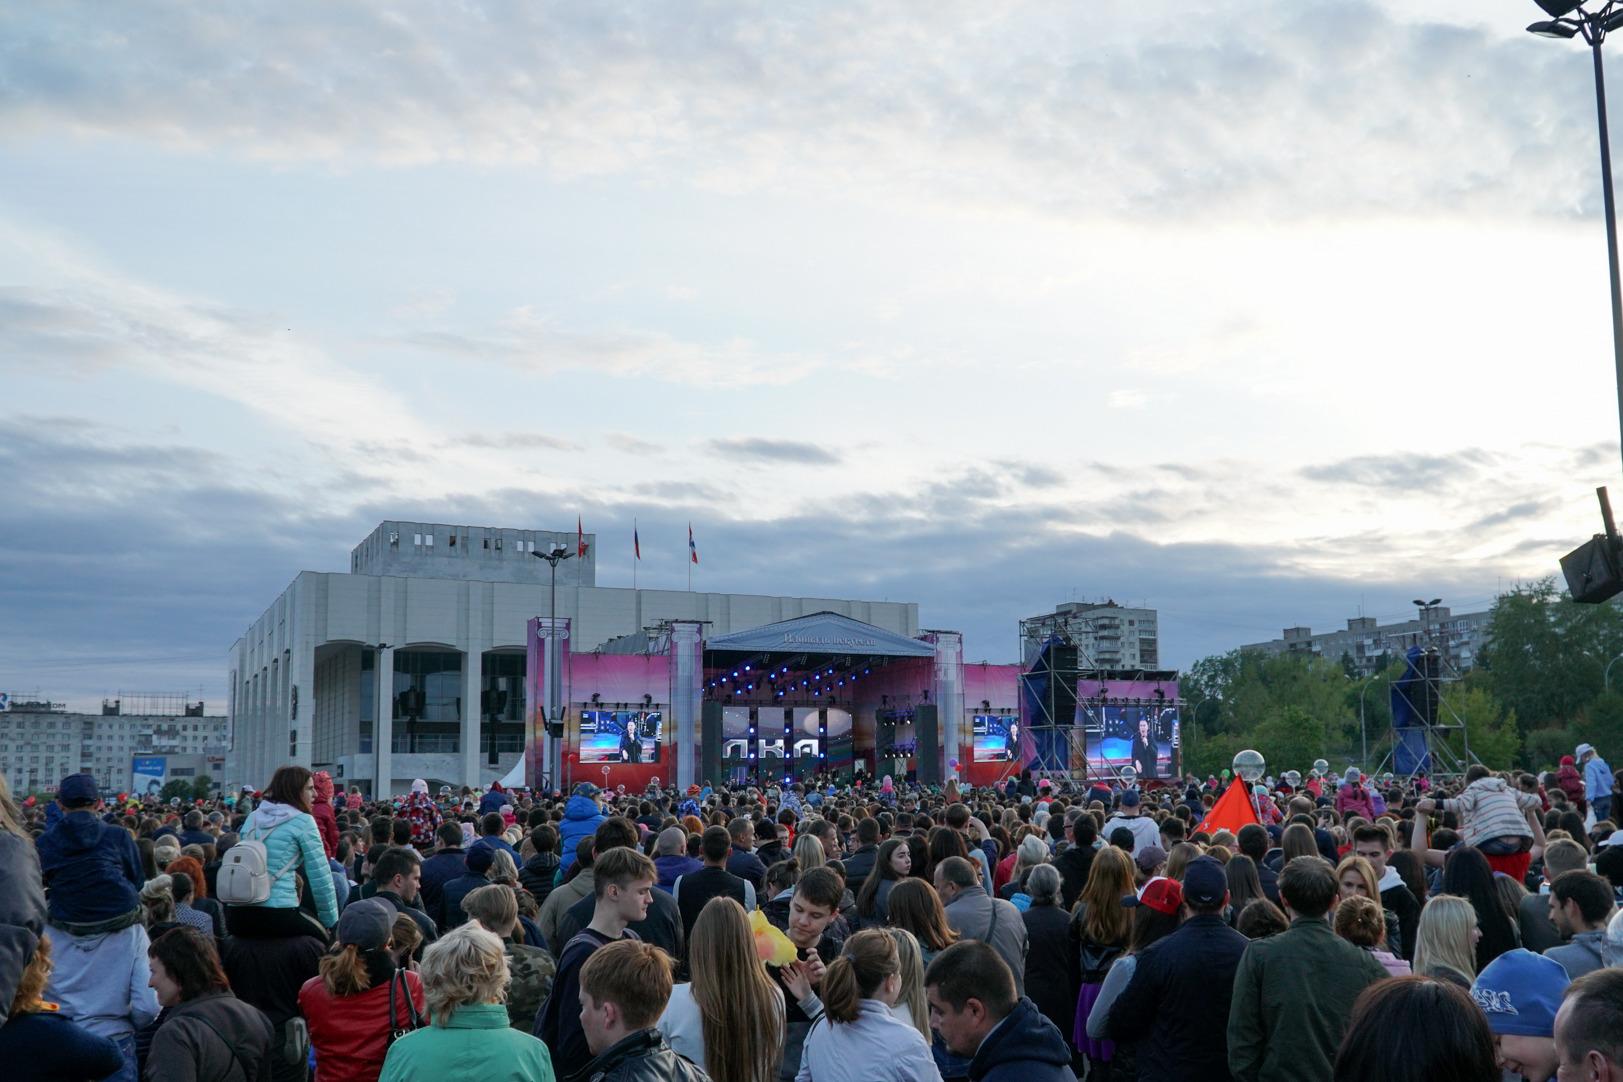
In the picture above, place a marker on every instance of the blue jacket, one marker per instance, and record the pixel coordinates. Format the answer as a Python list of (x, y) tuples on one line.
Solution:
[(439, 870), (292, 835), (1025, 1047), (673, 867), (582, 817), (493, 801), (1597, 778), (92, 871), (1177, 1004)]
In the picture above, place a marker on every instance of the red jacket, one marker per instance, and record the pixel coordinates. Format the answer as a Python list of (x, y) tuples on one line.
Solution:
[(1354, 800), (350, 1033), (321, 810)]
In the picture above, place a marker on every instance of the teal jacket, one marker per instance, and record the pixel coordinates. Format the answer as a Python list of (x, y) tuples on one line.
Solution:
[(295, 836), (476, 1043)]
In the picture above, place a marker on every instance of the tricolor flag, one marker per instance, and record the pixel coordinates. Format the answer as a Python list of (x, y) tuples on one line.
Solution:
[(636, 545), (693, 550), (580, 539)]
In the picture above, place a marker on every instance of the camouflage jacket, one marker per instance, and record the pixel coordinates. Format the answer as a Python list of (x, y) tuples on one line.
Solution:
[(532, 970)]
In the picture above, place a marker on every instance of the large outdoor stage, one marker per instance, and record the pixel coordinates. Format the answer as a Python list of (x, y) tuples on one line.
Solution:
[(822, 694)]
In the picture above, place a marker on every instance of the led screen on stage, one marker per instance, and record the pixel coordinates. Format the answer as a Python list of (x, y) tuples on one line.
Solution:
[(997, 738), (1142, 737), (620, 736), (735, 732)]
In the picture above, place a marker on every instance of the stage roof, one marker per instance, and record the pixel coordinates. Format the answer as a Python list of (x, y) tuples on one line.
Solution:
[(822, 633)]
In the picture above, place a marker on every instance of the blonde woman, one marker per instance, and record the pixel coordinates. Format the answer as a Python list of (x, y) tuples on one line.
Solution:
[(158, 902), (911, 1006), (1445, 942), (1356, 878), (504, 871), (531, 969), (730, 1017), (465, 982), (809, 851)]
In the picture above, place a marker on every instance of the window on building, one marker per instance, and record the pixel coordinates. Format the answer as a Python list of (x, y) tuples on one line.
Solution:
[(452, 542), (417, 539), (498, 544), (428, 540)]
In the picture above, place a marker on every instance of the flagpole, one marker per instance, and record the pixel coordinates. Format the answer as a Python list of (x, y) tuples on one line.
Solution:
[(633, 555)]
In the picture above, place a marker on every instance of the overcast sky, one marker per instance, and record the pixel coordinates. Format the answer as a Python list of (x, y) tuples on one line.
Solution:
[(1259, 313)]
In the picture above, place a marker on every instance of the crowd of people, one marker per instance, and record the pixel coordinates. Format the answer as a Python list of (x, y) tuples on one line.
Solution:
[(1392, 929)]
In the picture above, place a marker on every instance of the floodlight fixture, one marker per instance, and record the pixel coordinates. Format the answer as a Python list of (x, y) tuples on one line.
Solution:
[(1554, 29)]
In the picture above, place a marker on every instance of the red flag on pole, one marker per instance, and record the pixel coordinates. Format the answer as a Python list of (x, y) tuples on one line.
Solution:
[(693, 550), (636, 542), (580, 539), (1232, 811)]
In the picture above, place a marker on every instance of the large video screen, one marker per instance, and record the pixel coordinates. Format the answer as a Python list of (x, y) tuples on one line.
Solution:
[(620, 736), (735, 732), (997, 738), (1143, 737)]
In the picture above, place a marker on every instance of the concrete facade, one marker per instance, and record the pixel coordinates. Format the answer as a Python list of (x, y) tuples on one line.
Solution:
[(40, 748), (1366, 646), (304, 678), (1110, 636)]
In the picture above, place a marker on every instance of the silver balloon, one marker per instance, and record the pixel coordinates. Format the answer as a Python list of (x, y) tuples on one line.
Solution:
[(1250, 765), (1129, 774), (1293, 778), (1321, 767)]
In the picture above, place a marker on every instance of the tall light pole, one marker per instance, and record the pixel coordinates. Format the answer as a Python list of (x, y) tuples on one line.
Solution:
[(554, 555), (1363, 733), (1606, 677), (1569, 19)]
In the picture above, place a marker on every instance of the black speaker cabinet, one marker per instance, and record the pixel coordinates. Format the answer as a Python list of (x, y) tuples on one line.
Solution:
[(927, 729), (710, 744), (1592, 570)]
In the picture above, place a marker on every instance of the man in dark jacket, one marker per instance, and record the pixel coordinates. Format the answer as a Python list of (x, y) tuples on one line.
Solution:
[(661, 922), (447, 913), (973, 1006), (1177, 1004), (448, 862), (398, 876), (744, 863), (860, 862), (694, 890), (1077, 859), (541, 870), (1294, 992), (92, 871), (1253, 842), (624, 988), (1374, 844)]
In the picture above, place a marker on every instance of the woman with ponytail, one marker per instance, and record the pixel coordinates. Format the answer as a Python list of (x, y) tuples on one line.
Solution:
[(348, 1006), (729, 1020), (859, 1039)]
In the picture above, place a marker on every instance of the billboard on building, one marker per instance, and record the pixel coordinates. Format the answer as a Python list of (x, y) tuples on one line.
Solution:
[(148, 774)]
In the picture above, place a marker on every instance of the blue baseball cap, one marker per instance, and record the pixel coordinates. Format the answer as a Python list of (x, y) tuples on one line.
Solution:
[(78, 789), (1520, 992), (585, 788), (1204, 883)]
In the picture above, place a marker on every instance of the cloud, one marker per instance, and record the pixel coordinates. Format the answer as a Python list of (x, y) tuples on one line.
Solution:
[(1400, 472), (1293, 108), (756, 449), (535, 343), (92, 321), (518, 441), (631, 444)]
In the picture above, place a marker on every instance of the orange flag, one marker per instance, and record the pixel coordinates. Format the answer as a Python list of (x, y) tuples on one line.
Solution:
[(1232, 811)]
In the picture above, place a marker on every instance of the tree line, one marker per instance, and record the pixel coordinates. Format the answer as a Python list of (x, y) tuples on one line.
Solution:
[(1539, 688)]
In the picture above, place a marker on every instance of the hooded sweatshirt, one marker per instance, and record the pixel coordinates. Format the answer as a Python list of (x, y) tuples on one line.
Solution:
[(1489, 808), (321, 810), (581, 817), (92, 871)]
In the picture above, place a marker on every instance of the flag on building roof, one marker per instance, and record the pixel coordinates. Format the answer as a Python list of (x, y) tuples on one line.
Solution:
[(580, 539), (636, 543), (693, 550)]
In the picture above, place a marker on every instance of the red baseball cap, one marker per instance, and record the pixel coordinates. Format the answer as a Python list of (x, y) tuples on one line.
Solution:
[(1161, 894)]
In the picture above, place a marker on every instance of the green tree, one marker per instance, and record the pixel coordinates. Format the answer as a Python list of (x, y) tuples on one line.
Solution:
[(179, 787), (202, 787), (1490, 730)]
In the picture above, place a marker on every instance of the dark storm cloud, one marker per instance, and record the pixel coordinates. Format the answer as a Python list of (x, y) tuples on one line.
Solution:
[(756, 449)]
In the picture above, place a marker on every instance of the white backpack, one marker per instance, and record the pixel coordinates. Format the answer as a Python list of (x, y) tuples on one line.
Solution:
[(245, 877)]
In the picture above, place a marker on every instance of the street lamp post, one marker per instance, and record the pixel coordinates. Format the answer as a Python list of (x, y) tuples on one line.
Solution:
[(1569, 19), (554, 555), (1606, 677), (1363, 733)]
